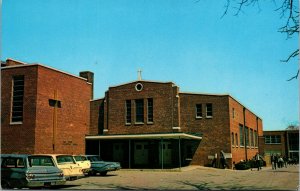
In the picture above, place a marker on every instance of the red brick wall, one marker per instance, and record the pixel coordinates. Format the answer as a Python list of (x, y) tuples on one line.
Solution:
[(18, 138), (251, 121), (216, 134), (72, 119), (96, 116), (276, 147), (164, 98)]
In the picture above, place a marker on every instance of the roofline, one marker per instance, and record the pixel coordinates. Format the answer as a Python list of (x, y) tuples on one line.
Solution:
[(199, 93), (283, 130), (38, 64), (222, 95), (98, 99), (114, 86), (245, 107), (144, 136)]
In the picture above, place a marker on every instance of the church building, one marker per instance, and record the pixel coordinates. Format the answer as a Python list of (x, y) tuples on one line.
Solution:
[(148, 124)]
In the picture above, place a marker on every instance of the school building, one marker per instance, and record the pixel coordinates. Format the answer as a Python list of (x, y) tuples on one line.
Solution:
[(282, 143), (147, 124), (142, 124), (43, 110)]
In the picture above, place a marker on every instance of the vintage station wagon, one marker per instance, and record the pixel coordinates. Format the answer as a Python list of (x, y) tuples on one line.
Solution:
[(83, 162), (67, 164), (26, 171)]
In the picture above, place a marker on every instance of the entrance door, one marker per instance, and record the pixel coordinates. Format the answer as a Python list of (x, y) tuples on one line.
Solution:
[(166, 149), (118, 152), (141, 153)]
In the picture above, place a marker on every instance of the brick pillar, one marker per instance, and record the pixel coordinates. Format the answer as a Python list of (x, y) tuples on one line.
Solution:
[(90, 78)]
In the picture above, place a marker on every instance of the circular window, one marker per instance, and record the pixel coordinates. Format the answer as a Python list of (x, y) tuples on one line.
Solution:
[(138, 87)]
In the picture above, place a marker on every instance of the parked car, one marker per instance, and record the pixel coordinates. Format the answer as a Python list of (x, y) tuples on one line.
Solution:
[(100, 166), (27, 171), (83, 162), (67, 164)]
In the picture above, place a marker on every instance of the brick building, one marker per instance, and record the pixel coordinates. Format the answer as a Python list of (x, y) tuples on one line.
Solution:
[(43, 110), (281, 142), (153, 125)]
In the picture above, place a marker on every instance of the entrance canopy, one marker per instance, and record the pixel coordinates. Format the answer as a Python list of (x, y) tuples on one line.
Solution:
[(147, 136)]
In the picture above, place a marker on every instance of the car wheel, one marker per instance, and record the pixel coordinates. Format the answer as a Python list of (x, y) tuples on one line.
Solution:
[(5, 184), (91, 173), (103, 173)]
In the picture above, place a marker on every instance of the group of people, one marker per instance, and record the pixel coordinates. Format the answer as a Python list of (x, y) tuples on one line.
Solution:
[(279, 161)]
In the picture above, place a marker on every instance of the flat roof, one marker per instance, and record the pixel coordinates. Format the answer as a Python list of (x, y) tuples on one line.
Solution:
[(146, 136), (23, 64)]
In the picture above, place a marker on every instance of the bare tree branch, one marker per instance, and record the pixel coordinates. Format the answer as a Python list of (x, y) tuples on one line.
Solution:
[(294, 54), (294, 77)]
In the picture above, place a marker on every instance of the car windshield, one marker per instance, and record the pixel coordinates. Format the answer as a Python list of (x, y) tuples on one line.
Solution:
[(80, 158), (64, 159), (40, 161), (94, 158)]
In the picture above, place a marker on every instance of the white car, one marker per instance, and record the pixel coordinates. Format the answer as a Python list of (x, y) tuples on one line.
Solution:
[(83, 162), (67, 164)]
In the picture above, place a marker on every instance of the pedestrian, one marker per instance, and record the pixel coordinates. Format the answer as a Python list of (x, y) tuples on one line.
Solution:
[(223, 160), (214, 162), (285, 161), (257, 159), (280, 162), (273, 162), (276, 161)]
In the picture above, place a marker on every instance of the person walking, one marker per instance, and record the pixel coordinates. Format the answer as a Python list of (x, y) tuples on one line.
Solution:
[(257, 159), (273, 162), (223, 159), (214, 162)]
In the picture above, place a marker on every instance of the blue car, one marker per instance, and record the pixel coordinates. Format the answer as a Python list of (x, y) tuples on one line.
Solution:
[(27, 171), (100, 166)]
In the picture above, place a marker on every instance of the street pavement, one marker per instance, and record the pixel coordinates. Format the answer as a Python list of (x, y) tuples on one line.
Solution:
[(193, 178)]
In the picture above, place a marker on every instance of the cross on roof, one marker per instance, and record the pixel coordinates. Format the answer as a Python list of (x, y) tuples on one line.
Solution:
[(139, 74)]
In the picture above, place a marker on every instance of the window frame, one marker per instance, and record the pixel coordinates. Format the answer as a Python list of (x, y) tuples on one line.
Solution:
[(198, 111), (128, 113), (139, 111), (209, 111), (17, 99), (150, 118)]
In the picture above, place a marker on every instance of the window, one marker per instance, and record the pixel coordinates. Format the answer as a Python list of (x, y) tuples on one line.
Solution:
[(12, 163), (139, 111), (128, 112), (233, 113), (236, 139), (198, 110), (254, 139), (232, 139), (209, 112), (247, 136), (251, 138), (272, 139), (17, 99), (55, 103), (241, 136), (150, 110)]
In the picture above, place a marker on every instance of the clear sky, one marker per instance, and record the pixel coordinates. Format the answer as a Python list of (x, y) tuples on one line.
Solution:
[(183, 41)]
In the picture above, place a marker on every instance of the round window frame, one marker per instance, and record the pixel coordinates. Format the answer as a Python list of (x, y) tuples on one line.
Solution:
[(139, 87)]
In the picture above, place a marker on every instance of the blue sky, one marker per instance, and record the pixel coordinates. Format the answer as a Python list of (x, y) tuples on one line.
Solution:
[(183, 41)]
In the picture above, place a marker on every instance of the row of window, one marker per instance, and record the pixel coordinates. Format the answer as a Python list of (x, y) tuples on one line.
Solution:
[(208, 110), (17, 99), (247, 136), (139, 111), (272, 139)]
